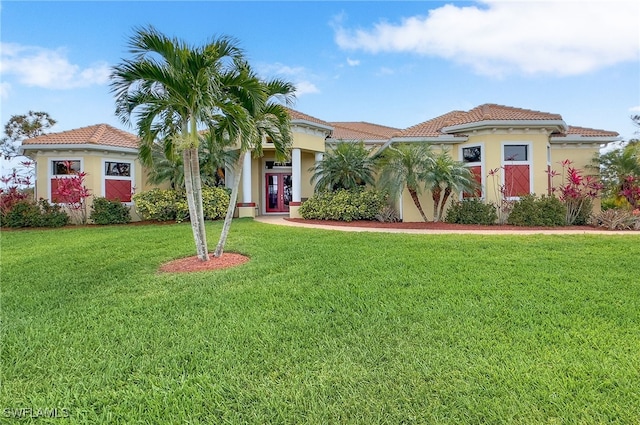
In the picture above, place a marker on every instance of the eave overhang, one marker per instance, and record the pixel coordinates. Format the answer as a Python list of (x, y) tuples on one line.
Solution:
[(76, 147), (577, 139), (550, 125)]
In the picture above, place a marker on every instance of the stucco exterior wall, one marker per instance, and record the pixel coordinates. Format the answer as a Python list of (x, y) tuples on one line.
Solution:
[(308, 160), (492, 144)]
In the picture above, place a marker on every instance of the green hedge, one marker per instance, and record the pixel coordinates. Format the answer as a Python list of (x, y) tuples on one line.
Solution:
[(171, 205), (544, 211), (471, 211), (105, 211), (28, 214), (344, 205)]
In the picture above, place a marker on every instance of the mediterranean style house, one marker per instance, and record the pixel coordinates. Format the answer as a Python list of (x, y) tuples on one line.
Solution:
[(503, 146)]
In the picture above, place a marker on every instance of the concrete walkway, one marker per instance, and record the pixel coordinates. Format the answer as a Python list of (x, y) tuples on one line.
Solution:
[(280, 221)]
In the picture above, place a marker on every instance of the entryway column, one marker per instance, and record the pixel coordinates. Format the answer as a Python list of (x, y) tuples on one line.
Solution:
[(246, 208), (319, 158), (296, 183)]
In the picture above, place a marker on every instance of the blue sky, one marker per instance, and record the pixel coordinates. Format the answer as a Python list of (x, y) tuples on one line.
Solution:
[(391, 63)]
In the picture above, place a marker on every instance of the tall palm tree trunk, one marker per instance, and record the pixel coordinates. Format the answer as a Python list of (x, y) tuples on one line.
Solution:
[(237, 174), (435, 195), (193, 187), (445, 197), (416, 201)]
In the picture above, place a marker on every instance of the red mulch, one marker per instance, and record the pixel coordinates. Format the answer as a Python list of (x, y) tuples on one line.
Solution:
[(434, 226), (193, 264)]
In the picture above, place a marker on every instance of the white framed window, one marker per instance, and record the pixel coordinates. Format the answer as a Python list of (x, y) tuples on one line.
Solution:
[(517, 164), (473, 158), (118, 179), (61, 168)]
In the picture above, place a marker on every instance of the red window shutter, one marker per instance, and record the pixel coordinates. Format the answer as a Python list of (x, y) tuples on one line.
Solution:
[(516, 180), (54, 189), (477, 175), (118, 190)]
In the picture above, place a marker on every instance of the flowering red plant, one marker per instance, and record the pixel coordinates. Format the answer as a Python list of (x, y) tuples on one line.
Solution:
[(575, 190), (631, 191), (72, 192)]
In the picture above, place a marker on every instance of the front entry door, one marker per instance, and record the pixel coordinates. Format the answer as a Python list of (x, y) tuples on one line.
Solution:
[(278, 192)]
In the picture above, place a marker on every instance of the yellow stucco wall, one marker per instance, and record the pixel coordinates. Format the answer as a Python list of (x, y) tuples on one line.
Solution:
[(492, 144)]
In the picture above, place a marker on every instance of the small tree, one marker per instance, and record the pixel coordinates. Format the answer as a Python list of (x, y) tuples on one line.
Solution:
[(20, 127), (444, 176), (72, 192), (404, 167), (345, 165)]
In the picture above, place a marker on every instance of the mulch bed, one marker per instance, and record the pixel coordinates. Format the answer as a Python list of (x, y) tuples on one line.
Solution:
[(193, 264), (434, 226)]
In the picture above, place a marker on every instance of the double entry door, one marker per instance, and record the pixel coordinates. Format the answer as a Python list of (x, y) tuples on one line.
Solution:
[(278, 192)]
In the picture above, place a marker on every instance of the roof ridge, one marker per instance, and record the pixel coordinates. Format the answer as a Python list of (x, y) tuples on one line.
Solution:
[(97, 134)]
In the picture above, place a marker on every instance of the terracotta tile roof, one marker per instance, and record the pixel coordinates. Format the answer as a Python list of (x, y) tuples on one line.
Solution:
[(99, 135), (295, 115), (486, 112), (493, 112), (433, 127), (361, 131), (586, 132)]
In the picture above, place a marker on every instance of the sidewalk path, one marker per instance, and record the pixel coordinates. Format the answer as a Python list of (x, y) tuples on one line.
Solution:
[(279, 220)]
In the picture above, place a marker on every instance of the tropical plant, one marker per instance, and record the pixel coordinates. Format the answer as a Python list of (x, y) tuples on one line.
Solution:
[(617, 219), (72, 192), (403, 167), (576, 191), (445, 176), (173, 91), (345, 165), (268, 117), (618, 170), (167, 164)]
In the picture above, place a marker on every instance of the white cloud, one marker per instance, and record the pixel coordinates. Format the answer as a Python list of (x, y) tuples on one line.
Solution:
[(51, 69), (385, 71), (299, 76), (305, 87), (635, 109), (353, 62), (501, 37)]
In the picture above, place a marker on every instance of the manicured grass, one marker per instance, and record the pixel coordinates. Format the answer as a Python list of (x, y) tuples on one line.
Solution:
[(321, 327)]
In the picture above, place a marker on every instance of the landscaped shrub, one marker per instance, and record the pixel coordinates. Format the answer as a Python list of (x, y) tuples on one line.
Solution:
[(28, 214), (543, 211), (471, 211), (169, 204), (388, 214), (344, 205), (105, 211), (215, 202), (617, 219), (22, 214), (52, 215)]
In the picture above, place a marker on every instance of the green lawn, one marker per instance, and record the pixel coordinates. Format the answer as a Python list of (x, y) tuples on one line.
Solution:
[(320, 327)]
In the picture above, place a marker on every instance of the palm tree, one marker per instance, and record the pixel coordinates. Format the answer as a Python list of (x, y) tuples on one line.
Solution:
[(269, 119), (345, 165), (617, 166), (167, 163), (445, 176), (172, 91), (403, 166)]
